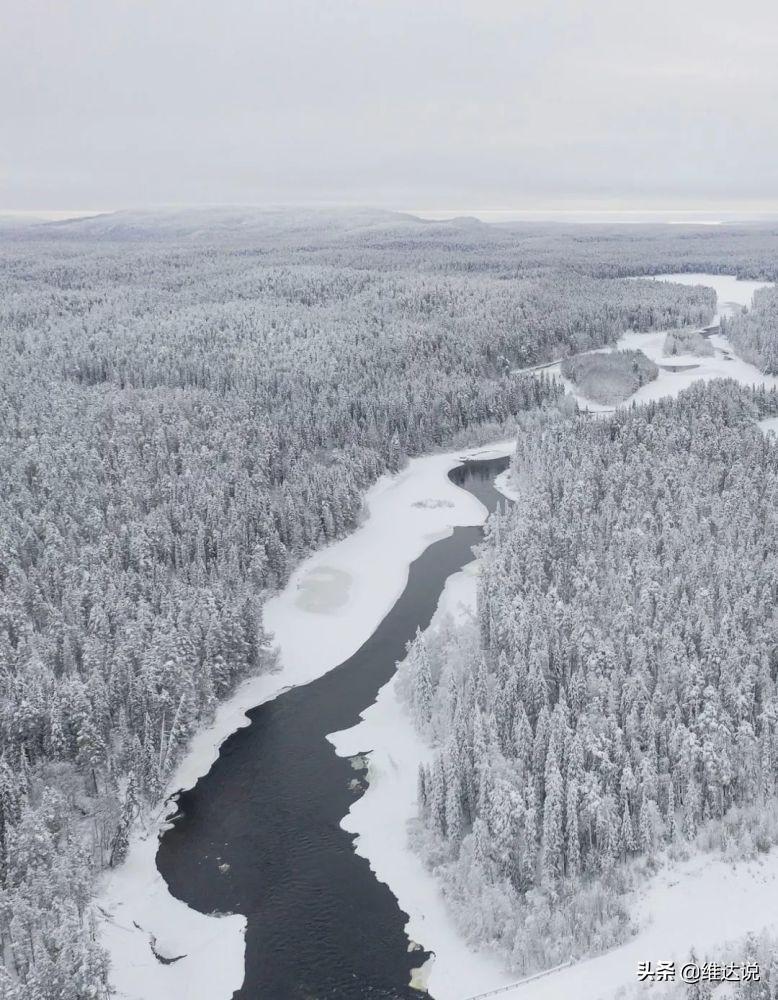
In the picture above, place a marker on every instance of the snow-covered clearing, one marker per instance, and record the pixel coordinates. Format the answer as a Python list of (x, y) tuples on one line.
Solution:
[(324, 589), (702, 904), (769, 424), (723, 364), (355, 581)]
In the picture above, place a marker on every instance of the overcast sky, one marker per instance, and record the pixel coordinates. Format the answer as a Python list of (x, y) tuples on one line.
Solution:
[(402, 103)]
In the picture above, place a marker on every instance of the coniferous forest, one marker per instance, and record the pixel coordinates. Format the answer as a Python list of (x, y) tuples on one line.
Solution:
[(616, 696), (754, 333), (185, 413)]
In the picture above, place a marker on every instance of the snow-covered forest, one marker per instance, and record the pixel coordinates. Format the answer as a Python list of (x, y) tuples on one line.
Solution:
[(616, 699), (609, 377), (754, 333), (186, 411), (181, 423)]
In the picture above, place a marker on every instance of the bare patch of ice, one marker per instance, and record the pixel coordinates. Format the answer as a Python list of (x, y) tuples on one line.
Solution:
[(323, 589), (420, 976), (432, 504)]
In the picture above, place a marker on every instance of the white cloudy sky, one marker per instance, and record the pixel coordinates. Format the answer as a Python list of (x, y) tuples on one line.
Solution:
[(403, 103)]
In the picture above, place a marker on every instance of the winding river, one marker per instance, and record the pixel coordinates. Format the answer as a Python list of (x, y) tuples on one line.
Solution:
[(260, 833)]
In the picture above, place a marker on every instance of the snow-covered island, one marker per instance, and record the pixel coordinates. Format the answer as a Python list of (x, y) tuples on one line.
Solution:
[(609, 376)]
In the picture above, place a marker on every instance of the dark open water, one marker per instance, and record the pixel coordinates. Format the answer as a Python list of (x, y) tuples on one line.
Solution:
[(319, 925)]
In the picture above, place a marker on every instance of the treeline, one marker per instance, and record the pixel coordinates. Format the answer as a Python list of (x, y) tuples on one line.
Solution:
[(617, 695), (177, 429), (391, 241), (228, 321), (754, 332)]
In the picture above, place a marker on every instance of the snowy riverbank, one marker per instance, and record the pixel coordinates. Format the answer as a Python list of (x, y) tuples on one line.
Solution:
[(330, 606)]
